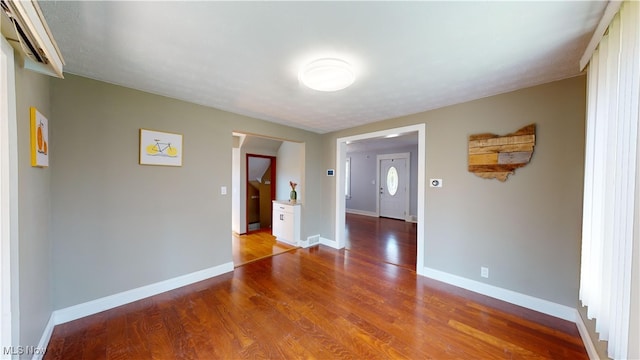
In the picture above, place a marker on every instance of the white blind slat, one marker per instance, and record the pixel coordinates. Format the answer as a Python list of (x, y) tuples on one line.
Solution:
[(610, 178)]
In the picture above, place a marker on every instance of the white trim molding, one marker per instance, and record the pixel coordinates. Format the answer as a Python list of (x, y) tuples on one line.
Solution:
[(9, 249), (340, 202), (529, 302), (75, 312), (610, 11), (71, 313), (361, 212), (330, 243), (586, 339), (44, 340)]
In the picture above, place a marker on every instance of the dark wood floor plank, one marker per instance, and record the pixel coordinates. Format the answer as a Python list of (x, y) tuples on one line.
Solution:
[(74, 339), (95, 338), (364, 302), (198, 322), (117, 341), (137, 342), (293, 304), (55, 349)]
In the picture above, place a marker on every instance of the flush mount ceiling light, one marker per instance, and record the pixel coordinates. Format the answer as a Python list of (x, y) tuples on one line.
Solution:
[(328, 74)]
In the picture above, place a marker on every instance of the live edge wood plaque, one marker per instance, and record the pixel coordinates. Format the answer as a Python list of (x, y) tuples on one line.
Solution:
[(497, 156)]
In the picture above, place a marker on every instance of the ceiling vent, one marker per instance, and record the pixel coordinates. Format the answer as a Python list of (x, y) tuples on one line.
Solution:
[(25, 28)]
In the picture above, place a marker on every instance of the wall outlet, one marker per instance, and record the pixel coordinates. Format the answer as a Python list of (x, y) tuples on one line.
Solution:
[(484, 272)]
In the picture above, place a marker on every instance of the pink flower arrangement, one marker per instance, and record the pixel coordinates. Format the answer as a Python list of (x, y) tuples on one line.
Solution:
[(293, 185)]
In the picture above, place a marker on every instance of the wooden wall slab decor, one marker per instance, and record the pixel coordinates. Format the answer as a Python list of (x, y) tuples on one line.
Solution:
[(496, 157)]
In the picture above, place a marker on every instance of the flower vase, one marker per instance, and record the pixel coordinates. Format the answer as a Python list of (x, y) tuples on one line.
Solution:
[(293, 196)]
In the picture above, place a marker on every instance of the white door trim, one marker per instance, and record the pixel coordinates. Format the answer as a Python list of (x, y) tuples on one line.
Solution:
[(341, 158), (407, 200), (8, 200)]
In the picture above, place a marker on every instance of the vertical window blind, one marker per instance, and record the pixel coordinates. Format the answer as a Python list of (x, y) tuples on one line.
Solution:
[(613, 96)]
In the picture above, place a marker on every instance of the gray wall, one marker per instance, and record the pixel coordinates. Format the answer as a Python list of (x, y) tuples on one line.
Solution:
[(34, 207), (363, 173), (117, 225), (289, 166), (526, 230)]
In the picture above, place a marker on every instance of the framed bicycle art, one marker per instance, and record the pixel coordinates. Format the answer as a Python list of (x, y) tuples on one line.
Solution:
[(160, 148)]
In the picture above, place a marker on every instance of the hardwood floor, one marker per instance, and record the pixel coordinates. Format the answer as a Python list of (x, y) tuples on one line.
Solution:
[(255, 246), (387, 240), (318, 303)]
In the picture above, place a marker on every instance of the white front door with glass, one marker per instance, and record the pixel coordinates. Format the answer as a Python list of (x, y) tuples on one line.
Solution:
[(394, 186)]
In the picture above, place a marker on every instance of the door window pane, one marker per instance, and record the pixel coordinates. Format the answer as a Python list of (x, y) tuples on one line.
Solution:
[(392, 181)]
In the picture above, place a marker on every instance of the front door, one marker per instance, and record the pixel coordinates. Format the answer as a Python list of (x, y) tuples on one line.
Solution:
[(393, 187)]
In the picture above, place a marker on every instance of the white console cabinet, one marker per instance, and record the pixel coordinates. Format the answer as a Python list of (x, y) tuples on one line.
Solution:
[(286, 222)]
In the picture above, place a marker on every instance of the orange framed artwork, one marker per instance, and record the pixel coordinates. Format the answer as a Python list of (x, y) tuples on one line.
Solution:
[(39, 139)]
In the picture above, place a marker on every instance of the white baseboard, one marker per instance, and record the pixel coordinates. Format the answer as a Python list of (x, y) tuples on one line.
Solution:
[(95, 306), (586, 339), (529, 302), (361, 212), (109, 302), (410, 218), (329, 243), (44, 340)]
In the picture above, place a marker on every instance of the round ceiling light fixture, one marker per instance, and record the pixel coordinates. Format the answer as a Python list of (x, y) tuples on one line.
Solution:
[(328, 74)]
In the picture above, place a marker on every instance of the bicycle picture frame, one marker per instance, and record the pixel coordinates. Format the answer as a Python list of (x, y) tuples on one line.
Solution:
[(160, 148)]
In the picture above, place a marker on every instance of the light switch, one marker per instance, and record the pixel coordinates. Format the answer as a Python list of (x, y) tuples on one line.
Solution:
[(223, 190)]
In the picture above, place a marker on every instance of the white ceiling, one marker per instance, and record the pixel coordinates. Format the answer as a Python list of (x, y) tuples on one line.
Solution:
[(244, 57)]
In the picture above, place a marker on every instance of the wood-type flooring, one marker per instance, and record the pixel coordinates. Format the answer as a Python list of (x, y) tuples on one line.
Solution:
[(319, 303), (255, 246)]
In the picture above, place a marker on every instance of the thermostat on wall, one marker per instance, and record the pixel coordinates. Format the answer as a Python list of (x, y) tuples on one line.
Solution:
[(331, 172)]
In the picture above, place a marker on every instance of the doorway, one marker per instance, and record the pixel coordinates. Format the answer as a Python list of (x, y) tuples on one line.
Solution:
[(290, 165), (393, 177), (340, 201), (261, 191)]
